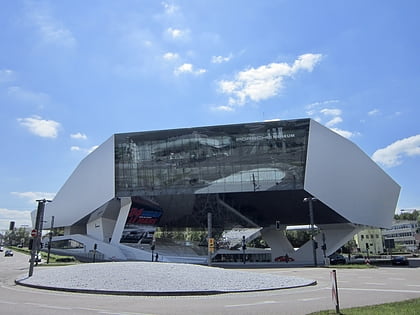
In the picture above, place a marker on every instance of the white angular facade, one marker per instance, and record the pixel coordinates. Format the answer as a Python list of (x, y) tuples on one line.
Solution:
[(252, 175)]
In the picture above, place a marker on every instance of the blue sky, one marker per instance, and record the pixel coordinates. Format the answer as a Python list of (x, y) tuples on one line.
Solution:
[(72, 73)]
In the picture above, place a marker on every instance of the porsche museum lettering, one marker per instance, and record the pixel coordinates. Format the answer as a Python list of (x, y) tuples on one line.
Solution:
[(275, 133)]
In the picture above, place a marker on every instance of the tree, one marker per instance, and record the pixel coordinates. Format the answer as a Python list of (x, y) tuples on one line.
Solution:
[(17, 236), (298, 237), (349, 246), (410, 216)]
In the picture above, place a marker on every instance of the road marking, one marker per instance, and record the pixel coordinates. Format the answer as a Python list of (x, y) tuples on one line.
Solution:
[(312, 299), (49, 306), (7, 302), (375, 283), (380, 290), (252, 304), (413, 285), (402, 279)]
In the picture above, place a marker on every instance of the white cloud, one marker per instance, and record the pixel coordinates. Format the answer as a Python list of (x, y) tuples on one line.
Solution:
[(32, 196), (50, 29), (176, 33), (84, 150), (7, 75), (331, 115), (323, 103), (223, 108), (331, 111), (336, 120), (373, 112), (188, 68), (170, 8), (306, 62), (393, 154), (39, 99), (344, 133), (170, 56), (78, 135), (21, 218), (256, 84), (221, 59), (40, 127)]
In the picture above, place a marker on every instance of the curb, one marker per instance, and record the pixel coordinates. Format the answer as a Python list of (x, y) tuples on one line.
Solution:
[(152, 293)]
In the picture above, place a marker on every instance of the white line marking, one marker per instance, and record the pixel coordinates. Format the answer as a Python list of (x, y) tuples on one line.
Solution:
[(252, 304), (8, 302), (380, 290), (49, 306), (375, 283), (311, 299)]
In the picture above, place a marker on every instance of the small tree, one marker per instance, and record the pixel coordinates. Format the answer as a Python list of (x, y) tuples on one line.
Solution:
[(17, 236)]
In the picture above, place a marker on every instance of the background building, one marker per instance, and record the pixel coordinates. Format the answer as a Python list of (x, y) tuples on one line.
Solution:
[(404, 234), (148, 188), (370, 240)]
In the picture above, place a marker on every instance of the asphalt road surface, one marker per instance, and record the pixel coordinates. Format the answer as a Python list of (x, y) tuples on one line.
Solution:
[(356, 287)]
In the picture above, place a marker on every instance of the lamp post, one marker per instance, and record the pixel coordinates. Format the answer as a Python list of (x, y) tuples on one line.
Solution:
[(311, 222)]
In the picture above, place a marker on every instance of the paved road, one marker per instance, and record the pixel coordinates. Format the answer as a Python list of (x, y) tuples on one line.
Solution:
[(356, 287)]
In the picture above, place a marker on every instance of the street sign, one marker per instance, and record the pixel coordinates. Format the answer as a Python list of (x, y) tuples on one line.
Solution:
[(34, 233)]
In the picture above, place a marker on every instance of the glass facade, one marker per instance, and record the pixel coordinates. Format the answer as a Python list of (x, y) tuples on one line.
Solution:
[(219, 159), (237, 172)]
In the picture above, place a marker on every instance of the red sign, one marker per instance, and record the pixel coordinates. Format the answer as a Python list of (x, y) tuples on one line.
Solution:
[(34, 233)]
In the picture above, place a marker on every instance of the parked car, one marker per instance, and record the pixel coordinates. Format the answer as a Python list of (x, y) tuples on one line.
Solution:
[(337, 259), (284, 258), (8, 253), (400, 260), (1, 248)]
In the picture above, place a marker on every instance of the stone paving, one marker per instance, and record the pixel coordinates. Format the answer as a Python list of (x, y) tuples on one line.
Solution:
[(147, 278)]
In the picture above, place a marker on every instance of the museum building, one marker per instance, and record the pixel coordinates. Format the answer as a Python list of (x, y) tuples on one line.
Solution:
[(138, 192)]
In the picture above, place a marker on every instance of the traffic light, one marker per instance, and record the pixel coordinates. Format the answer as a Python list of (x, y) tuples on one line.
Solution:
[(211, 242), (367, 245)]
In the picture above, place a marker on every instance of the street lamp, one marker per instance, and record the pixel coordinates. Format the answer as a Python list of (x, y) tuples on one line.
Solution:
[(311, 222)]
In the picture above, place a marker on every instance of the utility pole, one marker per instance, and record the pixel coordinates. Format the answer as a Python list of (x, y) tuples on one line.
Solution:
[(311, 222), (37, 233)]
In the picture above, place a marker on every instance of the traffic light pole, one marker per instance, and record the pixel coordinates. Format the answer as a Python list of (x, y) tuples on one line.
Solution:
[(38, 233)]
